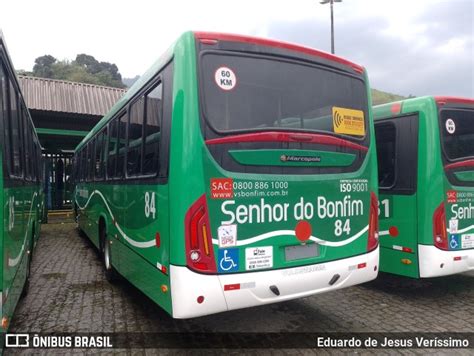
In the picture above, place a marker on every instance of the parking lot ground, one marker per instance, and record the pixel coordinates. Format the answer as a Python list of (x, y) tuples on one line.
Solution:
[(69, 293)]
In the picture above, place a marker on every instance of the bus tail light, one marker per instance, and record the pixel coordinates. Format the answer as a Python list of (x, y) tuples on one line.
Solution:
[(440, 236), (373, 240), (199, 252)]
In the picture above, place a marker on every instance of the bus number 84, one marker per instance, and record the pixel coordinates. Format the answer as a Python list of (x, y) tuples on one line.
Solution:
[(150, 204)]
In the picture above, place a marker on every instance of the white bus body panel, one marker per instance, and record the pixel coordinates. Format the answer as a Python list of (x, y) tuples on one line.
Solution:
[(432, 258), (296, 282)]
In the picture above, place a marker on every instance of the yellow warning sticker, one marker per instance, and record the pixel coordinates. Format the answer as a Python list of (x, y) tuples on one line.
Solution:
[(348, 121)]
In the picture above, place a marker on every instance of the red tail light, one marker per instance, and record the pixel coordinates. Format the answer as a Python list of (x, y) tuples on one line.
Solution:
[(373, 240), (440, 236), (199, 251)]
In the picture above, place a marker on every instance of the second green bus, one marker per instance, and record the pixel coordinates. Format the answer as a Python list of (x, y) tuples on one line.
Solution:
[(425, 152)]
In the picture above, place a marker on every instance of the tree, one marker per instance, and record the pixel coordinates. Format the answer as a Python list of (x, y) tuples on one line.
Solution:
[(43, 66), (85, 69), (107, 72), (88, 62)]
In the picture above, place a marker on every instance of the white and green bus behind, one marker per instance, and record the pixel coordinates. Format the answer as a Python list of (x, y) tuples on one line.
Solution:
[(426, 176)]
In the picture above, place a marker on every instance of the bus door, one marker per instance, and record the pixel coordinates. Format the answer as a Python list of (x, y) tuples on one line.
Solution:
[(397, 153)]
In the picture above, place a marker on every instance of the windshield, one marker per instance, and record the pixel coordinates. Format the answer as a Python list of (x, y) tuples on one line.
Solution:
[(250, 93), (457, 127)]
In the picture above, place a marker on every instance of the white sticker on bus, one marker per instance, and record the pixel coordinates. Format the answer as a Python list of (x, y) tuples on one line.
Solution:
[(258, 258), (453, 226), (450, 126), (225, 78), (467, 241), (227, 235)]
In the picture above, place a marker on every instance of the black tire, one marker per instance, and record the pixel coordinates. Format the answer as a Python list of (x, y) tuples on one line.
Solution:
[(26, 286), (110, 273), (76, 215)]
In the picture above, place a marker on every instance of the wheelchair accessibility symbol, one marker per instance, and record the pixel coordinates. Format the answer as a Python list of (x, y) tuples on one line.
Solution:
[(228, 260), (454, 242)]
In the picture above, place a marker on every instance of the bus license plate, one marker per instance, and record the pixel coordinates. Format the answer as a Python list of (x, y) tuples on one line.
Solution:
[(302, 251)]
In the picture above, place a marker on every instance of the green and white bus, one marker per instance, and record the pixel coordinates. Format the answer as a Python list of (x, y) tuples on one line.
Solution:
[(236, 172), (425, 152), (20, 183)]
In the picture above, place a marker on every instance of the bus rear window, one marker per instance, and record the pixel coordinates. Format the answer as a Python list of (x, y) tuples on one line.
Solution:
[(457, 127), (250, 93)]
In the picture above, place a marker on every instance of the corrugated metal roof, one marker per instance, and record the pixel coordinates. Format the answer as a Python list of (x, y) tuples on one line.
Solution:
[(68, 97)]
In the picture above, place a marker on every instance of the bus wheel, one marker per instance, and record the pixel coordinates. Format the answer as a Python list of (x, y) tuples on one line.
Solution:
[(26, 286), (76, 215), (110, 272)]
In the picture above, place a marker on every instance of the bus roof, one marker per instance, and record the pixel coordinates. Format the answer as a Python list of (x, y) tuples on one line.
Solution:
[(207, 37), (441, 100), (395, 107), (212, 37)]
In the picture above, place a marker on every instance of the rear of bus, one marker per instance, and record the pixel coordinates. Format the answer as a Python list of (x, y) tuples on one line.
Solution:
[(452, 249), (276, 174)]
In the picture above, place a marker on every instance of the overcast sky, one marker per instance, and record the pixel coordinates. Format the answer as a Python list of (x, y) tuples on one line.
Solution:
[(417, 47)]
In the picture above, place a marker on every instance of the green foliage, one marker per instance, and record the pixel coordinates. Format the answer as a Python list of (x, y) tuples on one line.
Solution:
[(85, 69), (381, 97), (44, 66)]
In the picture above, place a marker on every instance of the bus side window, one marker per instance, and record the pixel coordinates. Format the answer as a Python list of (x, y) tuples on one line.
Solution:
[(122, 131), (90, 160), (32, 152), (135, 141), (112, 148), (15, 133), (4, 115), (33, 157), (165, 124), (99, 154), (154, 109), (27, 141), (386, 153), (84, 163), (103, 158), (77, 167)]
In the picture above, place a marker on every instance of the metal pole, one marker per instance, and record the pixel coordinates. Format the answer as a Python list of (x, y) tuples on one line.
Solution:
[(332, 29)]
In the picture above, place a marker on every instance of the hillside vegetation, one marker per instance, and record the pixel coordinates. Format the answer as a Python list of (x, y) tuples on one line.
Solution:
[(84, 69), (381, 97)]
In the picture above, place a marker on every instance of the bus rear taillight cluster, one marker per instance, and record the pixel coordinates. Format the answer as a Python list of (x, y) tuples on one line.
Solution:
[(440, 236), (199, 251), (373, 240)]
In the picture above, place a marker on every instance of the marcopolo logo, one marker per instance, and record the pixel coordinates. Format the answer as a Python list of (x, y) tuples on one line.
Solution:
[(305, 159), (222, 188)]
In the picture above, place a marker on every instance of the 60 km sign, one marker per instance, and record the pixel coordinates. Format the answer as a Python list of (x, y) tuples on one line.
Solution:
[(225, 78)]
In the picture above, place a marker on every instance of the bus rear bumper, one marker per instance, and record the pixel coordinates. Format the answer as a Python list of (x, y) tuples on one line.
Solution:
[(241, 290), (435, 262)]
